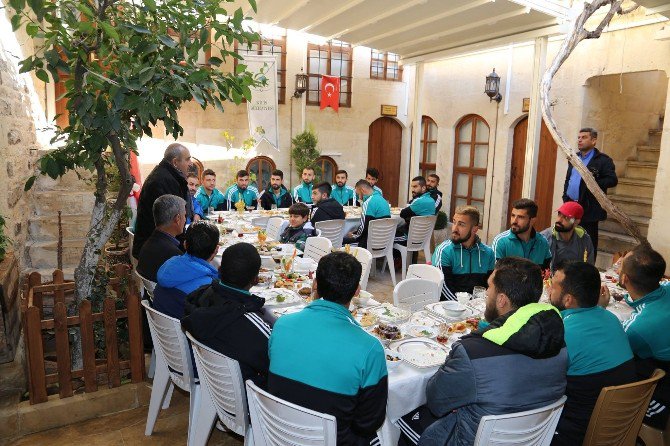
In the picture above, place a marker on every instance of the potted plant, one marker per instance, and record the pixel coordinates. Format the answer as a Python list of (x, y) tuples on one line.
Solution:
[(304, 152)]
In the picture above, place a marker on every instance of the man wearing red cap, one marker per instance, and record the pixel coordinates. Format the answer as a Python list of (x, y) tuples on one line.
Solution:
[(567, 240)]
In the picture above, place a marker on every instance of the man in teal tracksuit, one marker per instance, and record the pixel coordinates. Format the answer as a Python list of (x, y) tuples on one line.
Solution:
[(647, 328), (241, 190), (302, 193), (521, 239), (598, 351), (343, 193), (208, 195), (422, 204), (372, 177), (373, 206), (465, 261), (321, 358)]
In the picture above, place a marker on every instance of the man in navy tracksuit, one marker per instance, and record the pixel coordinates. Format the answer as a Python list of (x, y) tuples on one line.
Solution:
[(465, 261)]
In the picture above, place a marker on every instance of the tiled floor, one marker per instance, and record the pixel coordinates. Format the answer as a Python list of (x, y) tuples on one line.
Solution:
[(127, 428)]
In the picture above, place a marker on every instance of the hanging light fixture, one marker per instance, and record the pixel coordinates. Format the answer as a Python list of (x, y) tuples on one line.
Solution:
[(300, 84), (492, 88)]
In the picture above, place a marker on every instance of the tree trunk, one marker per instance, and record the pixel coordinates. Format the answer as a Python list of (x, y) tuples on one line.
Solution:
[(576, 35)]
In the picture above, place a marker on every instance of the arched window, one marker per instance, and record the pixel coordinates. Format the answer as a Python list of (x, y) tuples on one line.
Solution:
[(261, 168), (470, 162), (427, 165), (196, 168), (326, 168)]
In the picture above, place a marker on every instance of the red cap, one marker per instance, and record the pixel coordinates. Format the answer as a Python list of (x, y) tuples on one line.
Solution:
[(572, 209)]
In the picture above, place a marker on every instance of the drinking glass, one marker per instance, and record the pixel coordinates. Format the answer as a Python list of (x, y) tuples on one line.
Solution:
[(479, 292), (273, 207), (463, 298)]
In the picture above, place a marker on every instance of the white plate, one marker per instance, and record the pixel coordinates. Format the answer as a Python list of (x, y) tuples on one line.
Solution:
[(421, 331), (421, 352), (270, 295), (437, 309), (424, 318), (390, 313), (287, 310)]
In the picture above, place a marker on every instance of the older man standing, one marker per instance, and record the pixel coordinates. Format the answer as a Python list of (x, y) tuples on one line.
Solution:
[(168, 177)]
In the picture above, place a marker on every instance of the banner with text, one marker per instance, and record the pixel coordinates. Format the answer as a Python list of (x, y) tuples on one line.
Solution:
[(262, 109)]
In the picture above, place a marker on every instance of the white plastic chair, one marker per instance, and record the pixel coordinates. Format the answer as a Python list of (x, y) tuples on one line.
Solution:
[(428, 272), (223, 394), (365, 259), (417, 293), (275, 227), (261, 222), (278, 422), (173, 368), (333, 230), (148, 285), (418, 238), (381, 234), (317, 247), (530, 428)]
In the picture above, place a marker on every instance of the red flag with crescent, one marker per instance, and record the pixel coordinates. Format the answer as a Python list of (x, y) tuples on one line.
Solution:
[(135, 172), (330, 92)]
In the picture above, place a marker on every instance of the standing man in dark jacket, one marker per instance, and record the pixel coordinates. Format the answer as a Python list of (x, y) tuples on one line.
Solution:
[(169, 177), (602, 168), (488, 372), (325, 207), (276, 193), (226, 317)]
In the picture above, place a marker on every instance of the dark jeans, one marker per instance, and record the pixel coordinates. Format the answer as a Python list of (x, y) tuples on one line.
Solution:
[(591, 228)]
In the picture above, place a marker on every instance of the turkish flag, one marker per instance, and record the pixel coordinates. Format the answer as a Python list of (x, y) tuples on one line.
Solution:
[(330, 92)]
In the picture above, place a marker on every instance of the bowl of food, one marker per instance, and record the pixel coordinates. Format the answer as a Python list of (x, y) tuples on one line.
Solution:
[(453, 308), (393, 359), (363, 299), (387, 332)]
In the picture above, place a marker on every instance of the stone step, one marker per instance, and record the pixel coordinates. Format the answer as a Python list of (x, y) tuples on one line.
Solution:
[(635, 187), (655, 137), (641, 169), (48, 203), (648, 153), (612, 225), (612, 242), (604, 260), (45, 228), (42, 254), (633, 206)]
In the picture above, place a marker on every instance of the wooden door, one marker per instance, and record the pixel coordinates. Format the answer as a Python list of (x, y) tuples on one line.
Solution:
[(384, 143), (544, 184)]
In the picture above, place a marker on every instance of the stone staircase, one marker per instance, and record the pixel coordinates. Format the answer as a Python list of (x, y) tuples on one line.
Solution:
[(633, 195), (74, 197)]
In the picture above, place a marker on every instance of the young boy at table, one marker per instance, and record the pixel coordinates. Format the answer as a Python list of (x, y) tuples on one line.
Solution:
[(299, 228)]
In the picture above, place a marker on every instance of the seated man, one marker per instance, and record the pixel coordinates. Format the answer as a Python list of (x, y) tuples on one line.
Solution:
[(342, 192), (598, 350), (490, 371), (373, 206), (298, 228), (241, 191), (183, 274), (321, 359), (193, 184), (169, 216), (432, 183), (372, 177), (465, 261), (521, 239), (422, 204), (647, 327), (226, 317), (302, 193), (325, 207), (276, 195), (567, 240), (209, 197)]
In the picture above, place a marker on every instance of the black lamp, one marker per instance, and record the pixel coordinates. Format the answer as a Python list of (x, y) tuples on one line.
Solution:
[(300, 84), (492, 88)]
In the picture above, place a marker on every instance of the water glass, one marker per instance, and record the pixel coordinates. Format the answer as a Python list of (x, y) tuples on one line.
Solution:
[(479, 292), (463, 298), (273, 207)]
